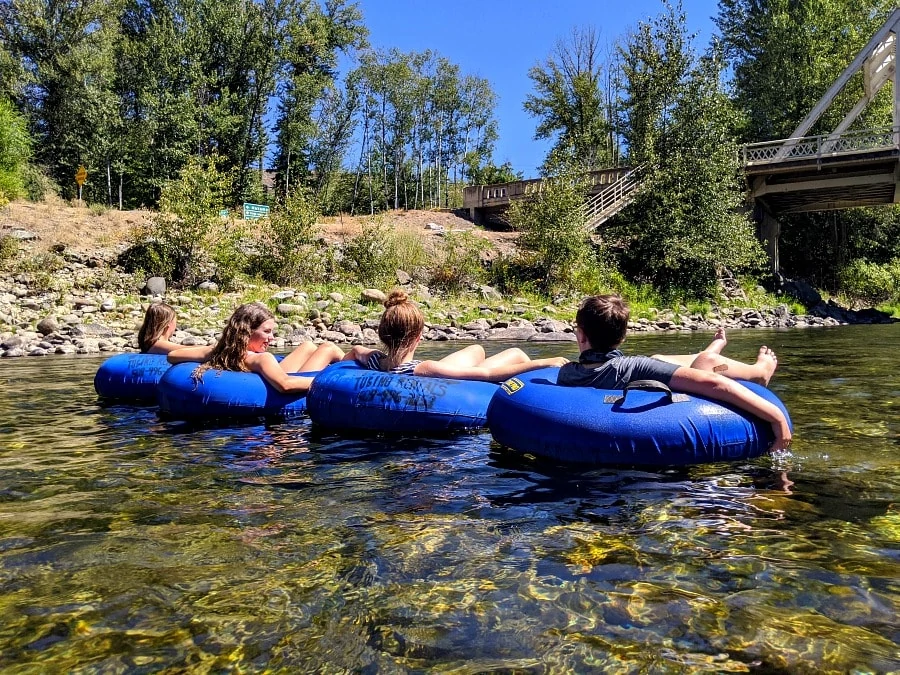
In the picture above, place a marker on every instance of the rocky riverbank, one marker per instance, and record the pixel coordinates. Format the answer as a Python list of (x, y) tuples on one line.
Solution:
[(81, 303)]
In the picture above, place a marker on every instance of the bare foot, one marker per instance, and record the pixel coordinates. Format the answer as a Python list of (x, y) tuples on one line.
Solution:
[(767, 362), (718, 342)]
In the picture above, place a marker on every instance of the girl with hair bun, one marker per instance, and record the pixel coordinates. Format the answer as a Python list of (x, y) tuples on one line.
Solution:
[(245, 339), (401, 330)]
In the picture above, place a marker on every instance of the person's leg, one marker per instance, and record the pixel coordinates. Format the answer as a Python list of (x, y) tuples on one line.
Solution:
[(308, 357), (473, 355), (507, 357), (686, 360), (760, 372)]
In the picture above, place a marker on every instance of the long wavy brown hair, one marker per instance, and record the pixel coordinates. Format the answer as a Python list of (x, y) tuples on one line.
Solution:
[(401, 323), (156, 320), (231, 349)]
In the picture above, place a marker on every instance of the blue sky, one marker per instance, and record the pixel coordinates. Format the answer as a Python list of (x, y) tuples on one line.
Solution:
[(500, 41)]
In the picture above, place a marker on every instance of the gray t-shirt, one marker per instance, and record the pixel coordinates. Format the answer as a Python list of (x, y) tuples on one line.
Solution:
[(613, 370)]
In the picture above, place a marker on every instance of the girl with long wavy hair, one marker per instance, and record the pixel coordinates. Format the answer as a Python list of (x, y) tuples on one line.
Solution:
[(246, 337), (400, 330)]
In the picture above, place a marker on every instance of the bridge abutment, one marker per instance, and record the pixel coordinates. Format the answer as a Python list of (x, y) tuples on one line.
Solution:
[(768, 229)]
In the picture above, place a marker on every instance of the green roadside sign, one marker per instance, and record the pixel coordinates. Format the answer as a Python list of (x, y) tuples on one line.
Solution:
[(254, 211)]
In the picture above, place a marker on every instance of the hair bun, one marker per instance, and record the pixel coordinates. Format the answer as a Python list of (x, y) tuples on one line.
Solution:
[(397, 297)]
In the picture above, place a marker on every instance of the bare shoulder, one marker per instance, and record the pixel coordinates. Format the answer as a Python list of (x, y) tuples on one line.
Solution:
[(257, 360)]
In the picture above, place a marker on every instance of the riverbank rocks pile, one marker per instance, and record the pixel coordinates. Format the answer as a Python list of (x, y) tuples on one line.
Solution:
[(84, 305)]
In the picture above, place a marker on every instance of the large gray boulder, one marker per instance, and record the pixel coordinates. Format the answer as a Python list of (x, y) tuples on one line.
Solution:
[(154, 286)]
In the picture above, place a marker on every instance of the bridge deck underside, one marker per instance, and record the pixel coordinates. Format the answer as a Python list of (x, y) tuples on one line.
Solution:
[(867, 179)]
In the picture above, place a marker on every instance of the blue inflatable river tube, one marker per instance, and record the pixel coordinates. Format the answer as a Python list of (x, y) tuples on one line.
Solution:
[(346, 396), (130, 377), (647, 424), (223, 394)]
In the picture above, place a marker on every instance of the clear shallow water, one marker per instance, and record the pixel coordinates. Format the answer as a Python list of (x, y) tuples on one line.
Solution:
[(132, 544)]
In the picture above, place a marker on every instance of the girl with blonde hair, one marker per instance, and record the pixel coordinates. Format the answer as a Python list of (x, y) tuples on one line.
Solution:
[(400, 330)]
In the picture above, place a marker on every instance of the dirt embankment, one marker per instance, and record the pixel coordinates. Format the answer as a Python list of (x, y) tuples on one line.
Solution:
[(87, 229)]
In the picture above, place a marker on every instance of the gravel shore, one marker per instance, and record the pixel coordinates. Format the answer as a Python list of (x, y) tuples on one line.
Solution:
[(89, 306)]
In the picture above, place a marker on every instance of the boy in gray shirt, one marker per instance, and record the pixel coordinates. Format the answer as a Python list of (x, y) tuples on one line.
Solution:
[(600, 327)]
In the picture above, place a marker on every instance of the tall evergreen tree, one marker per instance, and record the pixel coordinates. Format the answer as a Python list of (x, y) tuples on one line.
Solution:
[(786, 53), (687, 221)]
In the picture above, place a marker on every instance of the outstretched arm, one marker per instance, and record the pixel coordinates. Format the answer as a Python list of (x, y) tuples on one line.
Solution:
[(720, 388), (265, 365), (485, 373), (188, 354), (359, 354), (163, 346)]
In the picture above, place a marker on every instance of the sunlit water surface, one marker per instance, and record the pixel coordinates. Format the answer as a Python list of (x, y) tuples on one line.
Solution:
[(129, 544)]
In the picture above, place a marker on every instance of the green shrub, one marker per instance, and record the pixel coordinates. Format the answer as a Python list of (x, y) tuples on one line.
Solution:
[(9, 247), (38, 185), (227, 254), (412, 256), (98, 209), (552, 226), (286, 247), (371, 257), (146, 256), (870, 282), (458, 261), (181, 238), (516, 274), (40, 262), (15, 149)]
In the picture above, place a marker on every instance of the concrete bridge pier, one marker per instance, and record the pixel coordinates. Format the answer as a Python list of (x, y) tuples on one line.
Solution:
[(768, 229)]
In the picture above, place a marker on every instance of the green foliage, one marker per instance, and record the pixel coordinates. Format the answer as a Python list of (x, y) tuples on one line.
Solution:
[(15, 149), (9, 248), (226, 252), (424, 125), (457, 262), (870, 282), (371, 256), (552, 230), (572, 105), (815, 246), (784, 55), (490, 174), (412, 256), (687, 222), (287, 249), (41, 269), (38, 185), (187, 234)]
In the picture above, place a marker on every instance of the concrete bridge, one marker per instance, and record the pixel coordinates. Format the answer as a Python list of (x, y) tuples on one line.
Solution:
[(840, 169), (610, 189)]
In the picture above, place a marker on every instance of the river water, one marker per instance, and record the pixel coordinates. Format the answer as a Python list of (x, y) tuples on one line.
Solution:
[(130, 544)]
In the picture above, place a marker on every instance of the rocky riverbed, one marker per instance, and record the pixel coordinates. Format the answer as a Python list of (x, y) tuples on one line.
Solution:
[(83, 304)]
